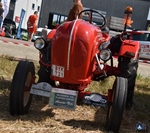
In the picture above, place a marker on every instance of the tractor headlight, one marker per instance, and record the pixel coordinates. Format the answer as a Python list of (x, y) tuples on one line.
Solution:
[(39, 44), (104, 45), (105, 54)]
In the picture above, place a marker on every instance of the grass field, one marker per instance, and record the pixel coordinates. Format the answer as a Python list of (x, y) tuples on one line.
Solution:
[(85, 119)]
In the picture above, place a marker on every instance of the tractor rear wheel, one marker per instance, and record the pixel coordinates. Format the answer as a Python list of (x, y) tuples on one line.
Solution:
[(20, 97), (128, 69), (117, 105)]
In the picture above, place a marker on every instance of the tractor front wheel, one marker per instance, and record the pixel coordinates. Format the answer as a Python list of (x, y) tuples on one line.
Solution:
[(20, 97), (117, 105)]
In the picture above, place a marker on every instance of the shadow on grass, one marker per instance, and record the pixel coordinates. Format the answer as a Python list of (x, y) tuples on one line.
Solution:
[(139, 112), (97, 124), (5, 84), (35, 112)]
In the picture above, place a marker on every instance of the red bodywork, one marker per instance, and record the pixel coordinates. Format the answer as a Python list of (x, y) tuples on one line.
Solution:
[(73, 49), (73, 54), (130, 46)]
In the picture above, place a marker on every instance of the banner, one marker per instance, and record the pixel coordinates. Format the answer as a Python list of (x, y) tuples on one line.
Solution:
[(20, 24)]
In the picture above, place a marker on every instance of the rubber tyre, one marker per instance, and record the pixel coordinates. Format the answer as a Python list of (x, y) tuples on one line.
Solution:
[(126, 65), (20, 97), (116, 108)]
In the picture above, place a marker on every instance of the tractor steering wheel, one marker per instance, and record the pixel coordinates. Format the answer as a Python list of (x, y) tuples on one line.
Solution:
[(90, 13)]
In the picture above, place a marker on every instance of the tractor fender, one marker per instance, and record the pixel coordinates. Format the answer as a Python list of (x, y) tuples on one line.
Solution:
[(51, 34), (130, 48)]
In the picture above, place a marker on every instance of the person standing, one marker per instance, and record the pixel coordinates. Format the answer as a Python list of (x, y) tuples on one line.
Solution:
[(1, 14), (6, 4), (75, 10), (32, 25)]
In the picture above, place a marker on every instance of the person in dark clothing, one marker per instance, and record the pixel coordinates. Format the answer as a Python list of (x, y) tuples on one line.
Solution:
[(1, 14)]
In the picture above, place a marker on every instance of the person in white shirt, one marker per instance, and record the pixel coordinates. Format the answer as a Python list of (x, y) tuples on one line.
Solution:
[(6, 4)]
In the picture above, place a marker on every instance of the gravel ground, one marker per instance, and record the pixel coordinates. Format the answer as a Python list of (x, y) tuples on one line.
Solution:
[(18, 50)]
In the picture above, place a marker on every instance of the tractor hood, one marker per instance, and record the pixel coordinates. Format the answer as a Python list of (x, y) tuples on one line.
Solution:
[(73, 49)]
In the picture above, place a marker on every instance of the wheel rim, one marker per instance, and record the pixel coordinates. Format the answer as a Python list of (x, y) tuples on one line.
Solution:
[(27, 89), (111, 106)]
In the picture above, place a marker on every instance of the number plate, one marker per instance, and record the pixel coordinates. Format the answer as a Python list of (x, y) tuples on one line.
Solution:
[(58, 71)]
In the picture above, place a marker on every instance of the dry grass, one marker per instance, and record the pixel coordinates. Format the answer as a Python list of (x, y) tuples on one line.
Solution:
[(85, 119)]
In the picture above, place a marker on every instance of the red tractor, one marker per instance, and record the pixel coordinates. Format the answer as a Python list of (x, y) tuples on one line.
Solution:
[(72, 56)]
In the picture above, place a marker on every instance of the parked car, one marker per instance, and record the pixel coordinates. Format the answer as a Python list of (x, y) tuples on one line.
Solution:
[(23, 34), (144, 40), (9, 27), (39, 33)]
